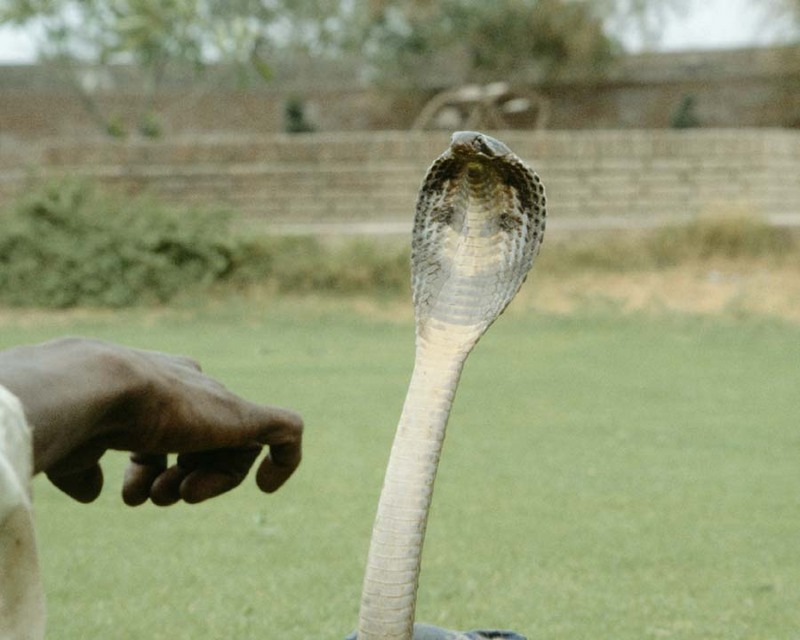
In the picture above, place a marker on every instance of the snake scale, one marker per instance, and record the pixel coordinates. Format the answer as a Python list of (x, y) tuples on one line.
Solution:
[(480, 220)]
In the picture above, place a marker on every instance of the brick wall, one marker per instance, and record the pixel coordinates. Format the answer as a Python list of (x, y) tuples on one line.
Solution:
[(736, 88), (281, 180)]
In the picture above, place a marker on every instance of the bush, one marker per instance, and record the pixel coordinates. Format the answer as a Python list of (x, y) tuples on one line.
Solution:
[(731, 236), (305, 264), (69, 244)]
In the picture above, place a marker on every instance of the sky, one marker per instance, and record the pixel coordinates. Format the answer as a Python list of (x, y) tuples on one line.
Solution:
[(709, 24), (722, 24)]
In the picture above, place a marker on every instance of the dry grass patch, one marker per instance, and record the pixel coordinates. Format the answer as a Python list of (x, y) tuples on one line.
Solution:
[(721, 288)]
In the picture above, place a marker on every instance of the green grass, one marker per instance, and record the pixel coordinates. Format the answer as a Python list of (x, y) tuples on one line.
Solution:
[(603, 477)]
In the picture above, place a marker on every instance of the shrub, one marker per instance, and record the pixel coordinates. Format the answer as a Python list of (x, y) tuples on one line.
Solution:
[(304, 264), (731, 236), (69, 244)]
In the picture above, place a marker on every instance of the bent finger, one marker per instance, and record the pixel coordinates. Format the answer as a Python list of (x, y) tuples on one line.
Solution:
[(212, 473), (203, 484), (278, 466), (83, 485), (166, 489), (283, 433), (140, 475)]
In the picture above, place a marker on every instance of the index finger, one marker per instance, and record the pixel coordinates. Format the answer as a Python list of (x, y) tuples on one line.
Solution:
[(284, 437)]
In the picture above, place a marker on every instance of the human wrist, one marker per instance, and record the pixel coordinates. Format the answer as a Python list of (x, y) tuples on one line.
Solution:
[(69, 388)]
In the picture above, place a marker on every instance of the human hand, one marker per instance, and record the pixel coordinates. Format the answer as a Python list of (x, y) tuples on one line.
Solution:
[(82, 397)]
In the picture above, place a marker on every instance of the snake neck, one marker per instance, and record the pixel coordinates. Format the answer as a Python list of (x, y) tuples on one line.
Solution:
[(393, 565)]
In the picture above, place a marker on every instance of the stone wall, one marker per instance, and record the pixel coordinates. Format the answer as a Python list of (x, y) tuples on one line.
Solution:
[(370, 179)]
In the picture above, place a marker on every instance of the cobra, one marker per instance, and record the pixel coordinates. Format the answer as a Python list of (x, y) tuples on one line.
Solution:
[(480, 220)]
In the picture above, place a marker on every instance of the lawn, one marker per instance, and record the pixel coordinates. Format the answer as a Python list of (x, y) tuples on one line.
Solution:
[(604, 477)]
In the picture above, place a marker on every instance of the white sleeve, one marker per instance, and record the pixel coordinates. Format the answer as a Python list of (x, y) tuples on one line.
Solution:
[(22, 614)]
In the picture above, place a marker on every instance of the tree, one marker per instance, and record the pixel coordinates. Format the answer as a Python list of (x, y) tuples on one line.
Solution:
[(641, 18), (502, 38), (316, 28), (151, 36), (790, 9), (399, 42)]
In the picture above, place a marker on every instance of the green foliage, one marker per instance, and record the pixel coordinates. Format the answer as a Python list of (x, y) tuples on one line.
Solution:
[(152, 36), (728, 237), (151, 33), (295, 117), (306, 264), (150, 125), (115, 127), (731, 236), (70, 245), (684, 116), (496, 39)]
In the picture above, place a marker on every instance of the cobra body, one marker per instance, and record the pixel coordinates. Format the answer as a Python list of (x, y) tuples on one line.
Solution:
[(480, 220)]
